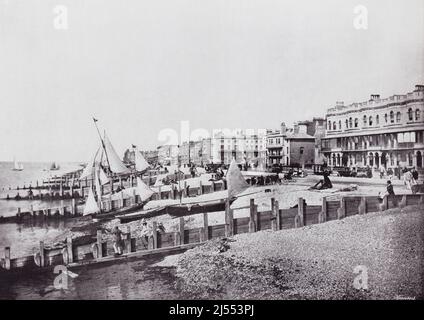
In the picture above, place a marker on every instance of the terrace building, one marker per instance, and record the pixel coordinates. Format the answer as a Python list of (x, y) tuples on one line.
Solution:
[(377, 133)]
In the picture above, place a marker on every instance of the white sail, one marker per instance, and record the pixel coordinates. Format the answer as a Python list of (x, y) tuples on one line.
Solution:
[(140, 163), (235, 180), (91, 205), (17, 166), (143, 190), (115, 163), (103, 177), (97, 183), (89, 168)]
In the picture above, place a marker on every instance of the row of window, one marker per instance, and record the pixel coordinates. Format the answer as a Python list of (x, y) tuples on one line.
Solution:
[(354, 123)]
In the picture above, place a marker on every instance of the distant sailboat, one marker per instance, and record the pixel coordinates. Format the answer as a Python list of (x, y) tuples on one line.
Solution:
[(54, 166), (140, 163), (17, 166)]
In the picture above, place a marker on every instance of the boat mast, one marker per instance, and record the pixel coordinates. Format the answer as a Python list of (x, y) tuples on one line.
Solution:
[(101, 139)]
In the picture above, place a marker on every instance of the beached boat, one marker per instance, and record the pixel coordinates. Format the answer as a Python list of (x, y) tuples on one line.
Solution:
[(17, 166)]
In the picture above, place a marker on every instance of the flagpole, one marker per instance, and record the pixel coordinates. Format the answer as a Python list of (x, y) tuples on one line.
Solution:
[(103, 143)]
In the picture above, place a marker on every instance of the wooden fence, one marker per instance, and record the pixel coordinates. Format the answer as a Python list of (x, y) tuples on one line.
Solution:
[(92, 249)]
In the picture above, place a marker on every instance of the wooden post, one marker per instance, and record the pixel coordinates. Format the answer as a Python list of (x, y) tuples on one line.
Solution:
[(134, 197), (99, 244), (181, 230), (402, 203), (277, 215), (201, 235), (200, 188), (177, 239), (128, 240), (7, 258), (31, 210), (42, 262), (69, 248), (322, 217), (159, 193), (362, 209), (252, 226), (155, 234), (273, 216), (73, 207), (205, 226), (228, 232), (301, 211), (62, 208), (122, 200), (213, 186), (341, 212), (185, 194)]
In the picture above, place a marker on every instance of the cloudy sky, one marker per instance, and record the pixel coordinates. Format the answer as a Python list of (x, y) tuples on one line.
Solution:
[(147, 65)]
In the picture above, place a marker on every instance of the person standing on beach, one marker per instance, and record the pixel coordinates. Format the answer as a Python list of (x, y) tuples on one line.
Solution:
[(390, 190), (145, 233)]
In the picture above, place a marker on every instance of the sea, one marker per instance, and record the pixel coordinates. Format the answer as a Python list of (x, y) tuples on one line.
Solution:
[(23, 239)]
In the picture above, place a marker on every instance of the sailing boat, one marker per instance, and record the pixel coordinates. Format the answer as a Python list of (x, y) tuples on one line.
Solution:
[(54, 166), (140, 163), (17, 166), (91, 206)]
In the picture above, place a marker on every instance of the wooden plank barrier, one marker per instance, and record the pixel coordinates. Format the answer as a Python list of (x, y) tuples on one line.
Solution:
[(89, 248)]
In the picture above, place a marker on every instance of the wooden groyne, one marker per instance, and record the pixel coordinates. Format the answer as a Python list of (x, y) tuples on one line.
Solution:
[(109, 207), (94, 250)]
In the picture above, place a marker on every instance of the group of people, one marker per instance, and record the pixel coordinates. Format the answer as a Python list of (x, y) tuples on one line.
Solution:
[(146, 232), (410, 177)]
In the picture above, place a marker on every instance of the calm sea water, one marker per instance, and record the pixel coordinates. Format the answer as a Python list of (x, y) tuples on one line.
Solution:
[(23, 239)]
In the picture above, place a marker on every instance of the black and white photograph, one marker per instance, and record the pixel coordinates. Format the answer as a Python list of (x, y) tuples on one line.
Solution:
[(212, 150)]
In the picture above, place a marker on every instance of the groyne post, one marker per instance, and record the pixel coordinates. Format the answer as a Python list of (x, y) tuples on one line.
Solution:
[(7, 258), (181, 229), (200, 188), (155, 234), (252, 226), (69, 248), (273, 216), (159, 193), (322, 216), (42, 262), (341, 212), (228, 219), (300, 218), (205, 226), (128, 240), (362, 208), (99, 244)]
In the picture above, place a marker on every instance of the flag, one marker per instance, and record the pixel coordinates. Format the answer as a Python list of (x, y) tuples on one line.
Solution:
[(134, 146), (95, 120)]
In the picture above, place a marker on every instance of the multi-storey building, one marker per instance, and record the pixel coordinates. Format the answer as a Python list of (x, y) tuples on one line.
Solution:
[(168, 155), (196, 152), (378, 132), (151, 156), (245, 147)]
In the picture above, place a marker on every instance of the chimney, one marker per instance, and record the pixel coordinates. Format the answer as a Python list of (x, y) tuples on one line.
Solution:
[(296, 128), (283, 128), (375, 97), (339, 103)]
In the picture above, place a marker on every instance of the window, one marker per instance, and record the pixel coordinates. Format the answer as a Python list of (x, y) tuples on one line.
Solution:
[(365, 121), (350, 122), (410, 116), (377, 119), (334, 125), (356, 122), (347, 123), (392, 117), (398, 116), (385, 117), (370, 121), (301, 150), (417, 114)]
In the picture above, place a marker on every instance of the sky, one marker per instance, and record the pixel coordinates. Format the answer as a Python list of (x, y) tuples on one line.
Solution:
[(141, 67)]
